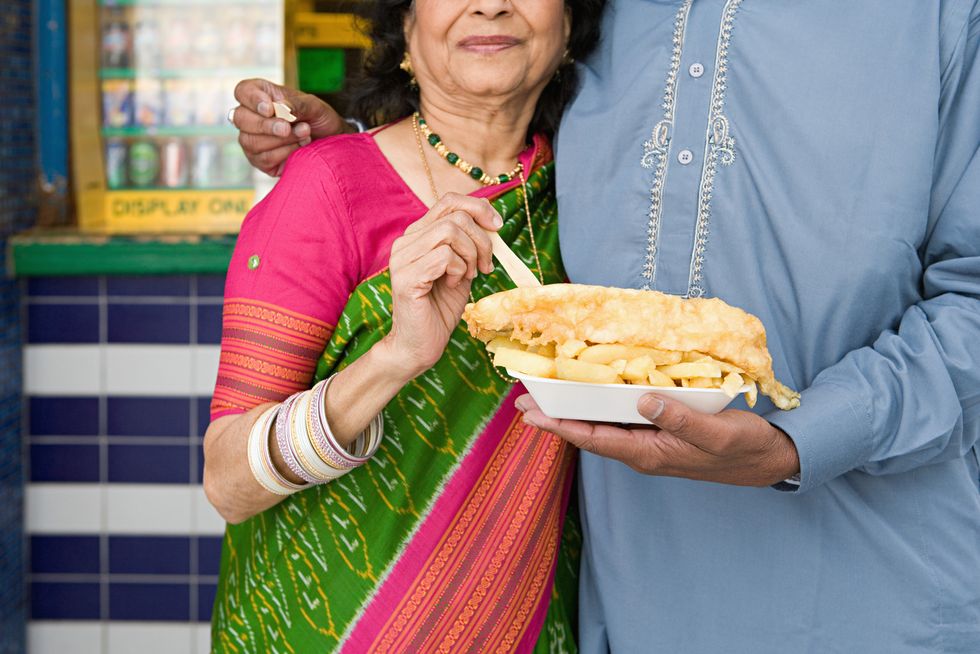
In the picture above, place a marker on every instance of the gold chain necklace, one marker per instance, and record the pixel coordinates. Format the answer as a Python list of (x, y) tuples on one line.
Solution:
[(519, 169)]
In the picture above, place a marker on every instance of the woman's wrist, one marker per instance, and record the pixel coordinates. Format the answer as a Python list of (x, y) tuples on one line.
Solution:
[(400, 366)]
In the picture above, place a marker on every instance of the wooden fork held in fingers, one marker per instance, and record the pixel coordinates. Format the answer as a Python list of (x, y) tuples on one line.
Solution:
[(511, 263)]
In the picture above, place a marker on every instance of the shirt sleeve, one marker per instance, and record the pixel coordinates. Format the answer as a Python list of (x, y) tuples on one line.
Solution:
[(295, 264), (913, 397)]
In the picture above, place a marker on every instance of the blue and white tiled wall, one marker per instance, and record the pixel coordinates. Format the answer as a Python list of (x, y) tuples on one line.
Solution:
[(123, 545)]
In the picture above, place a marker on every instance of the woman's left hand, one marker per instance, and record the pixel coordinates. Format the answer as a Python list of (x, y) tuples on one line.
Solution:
[(432, 266)]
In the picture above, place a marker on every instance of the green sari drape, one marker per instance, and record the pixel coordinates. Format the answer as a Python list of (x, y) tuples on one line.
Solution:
[(355, 565)]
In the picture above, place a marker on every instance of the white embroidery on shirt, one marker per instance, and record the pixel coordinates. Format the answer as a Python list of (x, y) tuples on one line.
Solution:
[(719, 149), (656, 150)]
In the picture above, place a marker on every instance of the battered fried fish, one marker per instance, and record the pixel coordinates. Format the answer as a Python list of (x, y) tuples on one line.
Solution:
[(558, 313)]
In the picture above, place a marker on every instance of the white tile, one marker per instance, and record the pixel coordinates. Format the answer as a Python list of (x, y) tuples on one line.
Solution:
[(58, 637), (207, 522), (202, 638), (205, 362), (61, 370), (64, 508), (148, 370), (178, 509), (150, 508), (150, 638)]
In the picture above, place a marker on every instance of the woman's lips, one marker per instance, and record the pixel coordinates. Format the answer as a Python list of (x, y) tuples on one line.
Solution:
[(488, 44)]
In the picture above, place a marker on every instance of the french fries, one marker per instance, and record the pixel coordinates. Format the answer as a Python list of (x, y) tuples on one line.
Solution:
[(657, 378), (503, 342), (610, 363), (526, 362), (690, 370), (608, 352), (584, 371)]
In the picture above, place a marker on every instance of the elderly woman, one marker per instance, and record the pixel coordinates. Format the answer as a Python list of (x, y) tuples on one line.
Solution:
[(399, 504)]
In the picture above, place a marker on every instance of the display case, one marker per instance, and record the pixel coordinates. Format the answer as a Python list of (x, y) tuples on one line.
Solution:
[(152, 82)]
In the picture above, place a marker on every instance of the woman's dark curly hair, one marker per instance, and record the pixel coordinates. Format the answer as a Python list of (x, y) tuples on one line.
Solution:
[(383, 93)]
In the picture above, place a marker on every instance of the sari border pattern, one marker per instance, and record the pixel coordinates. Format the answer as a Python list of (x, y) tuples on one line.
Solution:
[(267, 354)]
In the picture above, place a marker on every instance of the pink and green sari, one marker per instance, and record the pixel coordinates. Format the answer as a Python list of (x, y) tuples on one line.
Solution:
[(454, 537)]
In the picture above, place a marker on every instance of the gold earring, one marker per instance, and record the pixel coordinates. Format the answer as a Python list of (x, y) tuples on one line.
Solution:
[(406, 65)]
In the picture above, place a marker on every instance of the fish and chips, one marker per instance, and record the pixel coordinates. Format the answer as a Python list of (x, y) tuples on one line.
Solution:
[(603, 335)]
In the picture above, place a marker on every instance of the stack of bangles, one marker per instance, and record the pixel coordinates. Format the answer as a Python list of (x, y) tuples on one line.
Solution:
[(307, 445)]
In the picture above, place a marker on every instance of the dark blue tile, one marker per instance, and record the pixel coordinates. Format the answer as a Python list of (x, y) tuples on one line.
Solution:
[(160, 555), (148, 416), (64, 416), (65, 554), (149, 602), (64, 463), (205, 601), (151, 285), (200, 465), (149, 464), (149, 323), (209, 555), (64, 286), (211, 285), (62, 323), (64, 601), (209, 323), (203, 415)]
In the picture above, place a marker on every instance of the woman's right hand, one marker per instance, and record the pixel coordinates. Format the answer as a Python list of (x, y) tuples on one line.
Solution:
[(432, 266), (268, 141)]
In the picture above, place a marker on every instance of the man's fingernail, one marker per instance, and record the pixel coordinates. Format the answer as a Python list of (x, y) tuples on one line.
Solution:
[(281, 129), (498, 222), (651, 406), (264, 108), (529, 421), (301, 130), (520, 404)]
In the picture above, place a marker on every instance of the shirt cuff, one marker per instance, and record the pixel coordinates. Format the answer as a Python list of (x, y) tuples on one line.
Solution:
[(831, 430)]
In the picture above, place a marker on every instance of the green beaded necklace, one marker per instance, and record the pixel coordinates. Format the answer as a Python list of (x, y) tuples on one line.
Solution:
[(454, 159)]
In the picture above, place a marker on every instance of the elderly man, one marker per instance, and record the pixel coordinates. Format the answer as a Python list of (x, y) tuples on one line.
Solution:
[(817, 164)]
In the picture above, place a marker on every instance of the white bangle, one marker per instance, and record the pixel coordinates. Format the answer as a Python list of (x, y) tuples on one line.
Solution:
[(260, 459), (367, 442), (299, 433)]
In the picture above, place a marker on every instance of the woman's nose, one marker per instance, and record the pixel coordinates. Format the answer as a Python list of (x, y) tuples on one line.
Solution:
[(491, 8)]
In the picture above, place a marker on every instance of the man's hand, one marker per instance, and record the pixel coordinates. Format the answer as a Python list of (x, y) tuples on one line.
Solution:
[(268, 141), (732, 447)]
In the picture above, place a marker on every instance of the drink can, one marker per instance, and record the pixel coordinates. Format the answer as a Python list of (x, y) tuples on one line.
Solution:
[(235, 169), (144, 163), (207, 42), (117, 40), (146, 39), (149, 102), (117, 102), (115, 164), (204, 168), (174, 164), (177, 39), (209, 98), (180, 102)]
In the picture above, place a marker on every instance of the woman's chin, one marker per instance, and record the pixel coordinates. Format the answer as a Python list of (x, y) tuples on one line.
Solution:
[(493, 88)]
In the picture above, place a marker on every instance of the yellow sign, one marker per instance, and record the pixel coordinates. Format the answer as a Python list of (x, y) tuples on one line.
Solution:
[(160, 212), (321, 30)]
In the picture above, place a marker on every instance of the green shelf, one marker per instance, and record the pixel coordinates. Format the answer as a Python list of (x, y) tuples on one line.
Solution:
[(191, 130), (241, 72), (41, 253)]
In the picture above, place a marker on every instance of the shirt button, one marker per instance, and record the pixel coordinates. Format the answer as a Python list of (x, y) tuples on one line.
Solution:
[(696, 70), (253, 262), (685, 157)]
